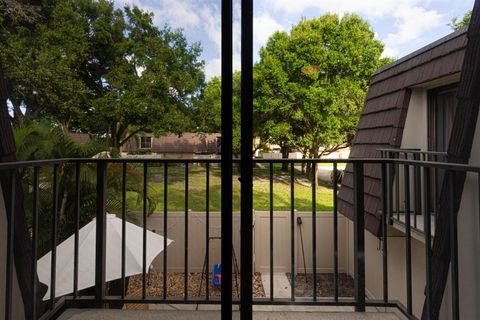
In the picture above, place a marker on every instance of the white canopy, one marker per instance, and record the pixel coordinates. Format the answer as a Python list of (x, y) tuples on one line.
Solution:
[(86, 256)]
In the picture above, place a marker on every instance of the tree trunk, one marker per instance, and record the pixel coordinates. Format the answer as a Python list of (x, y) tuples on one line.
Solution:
[(314, 173), (18, 117), (63, 207), (22, 242)]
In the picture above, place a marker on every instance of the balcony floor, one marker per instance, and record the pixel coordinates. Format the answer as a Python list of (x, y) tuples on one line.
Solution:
[(86, 314)]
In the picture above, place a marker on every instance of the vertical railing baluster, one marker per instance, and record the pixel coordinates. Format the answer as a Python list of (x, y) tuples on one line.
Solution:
[(335, 230), (10, 248), (144, 234), (124, 218), (292, 229), (165, 228), (185, 294), (435, 188), (101, 225), (453, 246), (416, 190), (35, 209), (271, 230), (314, 230), (77, 227), (53, 265), (207, 232), (408, 236), (359, 236), (397, 189), (391, 188), (385, 215), (428, 240)]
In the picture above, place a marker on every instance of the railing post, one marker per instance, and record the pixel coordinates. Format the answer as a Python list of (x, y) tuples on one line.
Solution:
[(385, 216), (9, 255), (428, 240), (35, 210), (246, 163), (53, 263), (453, 248), (227, 162), (359, 237), (101, 220)]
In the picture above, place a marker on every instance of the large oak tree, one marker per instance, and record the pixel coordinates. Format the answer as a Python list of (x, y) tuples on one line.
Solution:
[(102, 70), (310, 83)]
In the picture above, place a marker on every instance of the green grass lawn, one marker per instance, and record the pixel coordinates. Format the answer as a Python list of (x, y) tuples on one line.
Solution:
[(261, 190)]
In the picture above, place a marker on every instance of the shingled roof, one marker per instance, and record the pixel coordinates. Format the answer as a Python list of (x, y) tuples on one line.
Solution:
[(171, 143), (383, 117)]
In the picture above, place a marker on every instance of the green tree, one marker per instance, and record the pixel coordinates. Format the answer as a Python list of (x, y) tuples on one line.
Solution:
[(456, 24), (103, 70), (208, 109), (310, 83)]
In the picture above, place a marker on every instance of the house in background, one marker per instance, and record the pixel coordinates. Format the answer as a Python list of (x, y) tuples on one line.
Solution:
[(80, 138), (411, 105), (185, 146)]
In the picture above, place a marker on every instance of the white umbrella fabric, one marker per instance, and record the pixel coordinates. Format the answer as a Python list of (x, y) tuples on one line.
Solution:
[(86, 255)]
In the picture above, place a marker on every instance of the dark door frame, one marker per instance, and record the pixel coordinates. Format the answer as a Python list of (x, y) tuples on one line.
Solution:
[(246, 163), (227, 161)]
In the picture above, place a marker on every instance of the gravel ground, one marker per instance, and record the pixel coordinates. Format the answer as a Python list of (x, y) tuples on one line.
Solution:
[(176, 282), (325, 285)]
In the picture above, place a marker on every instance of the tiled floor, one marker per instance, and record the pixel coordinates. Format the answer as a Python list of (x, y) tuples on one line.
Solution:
[(86, 314)]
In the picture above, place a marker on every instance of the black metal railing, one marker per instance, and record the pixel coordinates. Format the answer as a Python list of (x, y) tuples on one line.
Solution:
[(101, 296), (406, 193)]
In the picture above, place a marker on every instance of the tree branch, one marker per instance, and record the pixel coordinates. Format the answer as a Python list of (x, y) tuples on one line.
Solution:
[(130, 135)]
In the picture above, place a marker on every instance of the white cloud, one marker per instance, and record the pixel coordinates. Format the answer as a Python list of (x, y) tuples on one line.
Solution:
[(178, 13), (213, 68), (371, 8), (411, 23), (263, 27), (211, 23), (410, 18), (390, 52)]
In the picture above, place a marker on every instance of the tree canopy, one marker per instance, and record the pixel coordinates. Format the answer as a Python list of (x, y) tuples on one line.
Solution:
[(102, 70), (310, 83), (208, 109), (457, 24)]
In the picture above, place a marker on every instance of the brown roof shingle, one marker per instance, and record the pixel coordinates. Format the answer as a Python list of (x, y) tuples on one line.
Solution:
[(383, 117)]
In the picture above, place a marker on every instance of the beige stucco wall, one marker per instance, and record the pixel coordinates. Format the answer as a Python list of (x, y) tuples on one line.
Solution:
[(396, 267), (17, 302), (415, 134)]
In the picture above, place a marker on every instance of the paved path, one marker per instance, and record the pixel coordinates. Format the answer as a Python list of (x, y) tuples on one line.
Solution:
[(281, 285)]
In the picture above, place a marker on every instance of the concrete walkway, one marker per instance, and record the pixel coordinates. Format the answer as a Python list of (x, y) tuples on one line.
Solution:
[(73, 314), (281, 285)]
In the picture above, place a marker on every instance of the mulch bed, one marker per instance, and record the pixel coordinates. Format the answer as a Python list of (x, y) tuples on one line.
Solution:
[(176, 285), (325, 285)]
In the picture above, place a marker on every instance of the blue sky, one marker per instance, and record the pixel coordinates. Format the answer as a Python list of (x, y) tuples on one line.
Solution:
[(402, 25)]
